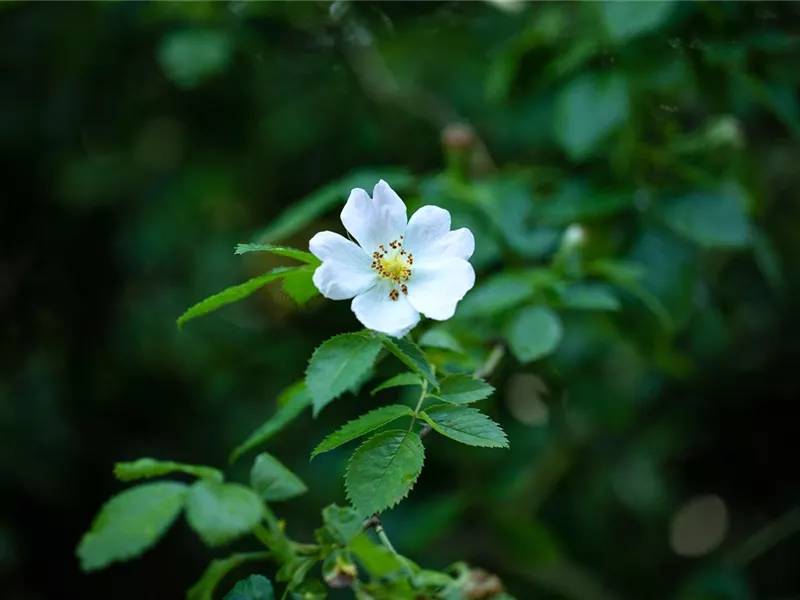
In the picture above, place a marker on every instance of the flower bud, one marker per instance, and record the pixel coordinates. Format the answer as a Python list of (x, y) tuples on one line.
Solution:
[(339, 572)]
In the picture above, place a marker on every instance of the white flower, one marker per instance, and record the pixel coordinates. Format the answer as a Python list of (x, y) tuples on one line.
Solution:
[(400, 268)]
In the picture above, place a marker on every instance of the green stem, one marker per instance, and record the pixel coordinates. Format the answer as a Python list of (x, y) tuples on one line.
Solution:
[(418, 408), (386, 542)]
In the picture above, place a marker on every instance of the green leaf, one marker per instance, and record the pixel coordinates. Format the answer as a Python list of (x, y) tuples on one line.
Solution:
[(440, 338), (232, 294), (587, 110), (337, 365), (496, 295), (534, 332), (302, 212), (272, 481), (376, 558), (295, 571), (466, 425), (254, 587), (362, 425), (145, 468), (383, 470), (589, 296), (291, 403), (402, 379), (216, 571), (574, 201), (222, 512), (300, 255), (713, 220), (130, 523), (342, 522), (625, 20), (411, 356), (190, 57), (300, 285), (464, 389)]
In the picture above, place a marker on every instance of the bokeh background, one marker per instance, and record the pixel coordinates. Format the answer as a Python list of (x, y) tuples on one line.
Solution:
[(653, 455)]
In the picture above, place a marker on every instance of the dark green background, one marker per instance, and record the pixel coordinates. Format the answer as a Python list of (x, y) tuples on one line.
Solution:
[(141, 141)]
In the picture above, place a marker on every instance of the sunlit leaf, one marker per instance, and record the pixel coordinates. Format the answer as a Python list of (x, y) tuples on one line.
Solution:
[(273, 481), (299, 285), (383, 470), (364, 424), (463, 389), (222, 512), (337, 365), (130, 523), (144, 468), (232, 294), (466, 425), (300, 255)]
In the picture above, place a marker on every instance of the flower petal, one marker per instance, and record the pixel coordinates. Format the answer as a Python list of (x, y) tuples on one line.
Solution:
[(377, 220), (425, 227), (345, 271), (455, 244), (435, 288), (377, 311)]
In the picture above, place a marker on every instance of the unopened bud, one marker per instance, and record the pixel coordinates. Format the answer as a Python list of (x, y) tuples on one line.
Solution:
[(339, 572), (725, 131), (458, 136), (574, 235)]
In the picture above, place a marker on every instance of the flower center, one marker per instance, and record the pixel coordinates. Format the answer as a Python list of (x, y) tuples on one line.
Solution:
[(393, 263)]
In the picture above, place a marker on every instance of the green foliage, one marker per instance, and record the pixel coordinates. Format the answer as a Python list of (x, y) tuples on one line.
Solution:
[(272, 481), (411, 356), (588, 109), (466, 425), (217, 570), (383, 470), (362, 425), (499, 293), (291, 403), (400, 380), (144, 468), (232, 294), (625, 20), (534, 332), (222, 512), (590, 296), (464, 389), (254, 587), (130, 523), (440, 338), (191, 56), (299, 284), (300, 255), (337, 365), (343, 523), (714, 220)]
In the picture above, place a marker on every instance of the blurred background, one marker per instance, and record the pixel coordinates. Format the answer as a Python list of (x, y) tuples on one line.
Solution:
[(653, 453)]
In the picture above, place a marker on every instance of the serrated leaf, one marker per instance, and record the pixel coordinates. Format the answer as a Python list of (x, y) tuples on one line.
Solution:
[(464, 389), (232, 294), (362, 425), (439, 338), (292, 401), (342, 522), (204, 588), (145, 468), (300, 255), (383, 470), (411, 355), (533, 333), (337, 365), (400, 380), (304, 211), (254, 587), (273, 481), (590, 296), (588, 109), (466, 425), (299, 285), (625, 20), (222, 512), (130, 523), (713, 220)]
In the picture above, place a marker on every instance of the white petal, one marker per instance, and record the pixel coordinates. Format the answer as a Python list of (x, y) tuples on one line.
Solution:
[(425, 227), (327, 245), (435, 288), (377, 311), (338, 281), (377, 220), (456, 244)]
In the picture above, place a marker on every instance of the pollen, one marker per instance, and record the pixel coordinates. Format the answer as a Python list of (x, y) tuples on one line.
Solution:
[(394, 294), (393, 264)]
